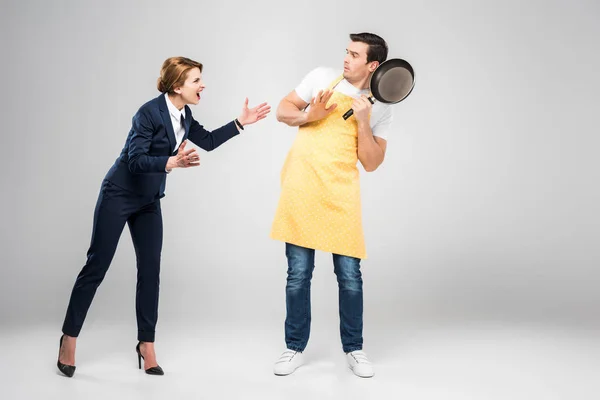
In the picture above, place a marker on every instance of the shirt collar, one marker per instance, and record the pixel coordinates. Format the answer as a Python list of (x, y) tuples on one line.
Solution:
[(175, 113)]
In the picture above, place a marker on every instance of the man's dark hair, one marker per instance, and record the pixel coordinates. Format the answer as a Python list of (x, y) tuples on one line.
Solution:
[(378, 48)]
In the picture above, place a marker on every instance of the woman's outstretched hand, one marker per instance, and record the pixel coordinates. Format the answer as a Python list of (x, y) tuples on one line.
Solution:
[(252, 115)]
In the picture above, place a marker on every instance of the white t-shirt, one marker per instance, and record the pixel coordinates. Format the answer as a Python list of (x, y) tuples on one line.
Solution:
[(320, 78)]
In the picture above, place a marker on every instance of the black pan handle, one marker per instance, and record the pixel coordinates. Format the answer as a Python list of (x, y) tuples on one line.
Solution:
[(351, 111)]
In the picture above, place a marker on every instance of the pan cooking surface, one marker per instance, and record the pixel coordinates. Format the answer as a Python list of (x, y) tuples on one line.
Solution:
[(395, 84)]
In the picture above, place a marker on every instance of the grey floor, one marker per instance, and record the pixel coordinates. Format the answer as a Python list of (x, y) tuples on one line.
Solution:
[(474, 361)]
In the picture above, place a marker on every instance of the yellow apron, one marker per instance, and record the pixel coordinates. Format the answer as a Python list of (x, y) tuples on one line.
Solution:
[(319, 207)]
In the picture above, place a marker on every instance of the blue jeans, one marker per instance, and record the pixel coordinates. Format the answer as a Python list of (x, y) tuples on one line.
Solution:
[(301, 263)]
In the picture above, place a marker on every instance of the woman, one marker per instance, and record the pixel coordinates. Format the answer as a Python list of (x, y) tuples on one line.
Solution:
[(131, 192)]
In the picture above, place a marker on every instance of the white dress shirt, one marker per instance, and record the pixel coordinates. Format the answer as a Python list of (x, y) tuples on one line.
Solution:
[(178, 127), (176, 116)]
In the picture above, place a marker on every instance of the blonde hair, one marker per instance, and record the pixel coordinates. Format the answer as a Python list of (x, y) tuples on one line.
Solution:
[(174, 72)]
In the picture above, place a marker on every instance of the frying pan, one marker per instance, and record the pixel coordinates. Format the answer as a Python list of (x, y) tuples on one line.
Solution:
[(390, 83)]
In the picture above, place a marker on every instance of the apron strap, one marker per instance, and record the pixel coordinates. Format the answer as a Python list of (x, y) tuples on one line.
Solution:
[(331, 86), (335, 82)]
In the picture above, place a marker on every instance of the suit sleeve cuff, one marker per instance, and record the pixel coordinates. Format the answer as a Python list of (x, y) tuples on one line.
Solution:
[(163, 162)]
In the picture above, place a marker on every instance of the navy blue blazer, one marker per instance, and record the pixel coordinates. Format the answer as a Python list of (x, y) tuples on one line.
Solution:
[(141, 166)]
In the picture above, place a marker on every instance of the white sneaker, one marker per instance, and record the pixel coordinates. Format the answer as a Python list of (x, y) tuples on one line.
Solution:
[(288, 362), (360, 364)]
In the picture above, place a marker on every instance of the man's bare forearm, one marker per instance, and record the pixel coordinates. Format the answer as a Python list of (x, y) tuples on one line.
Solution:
[(289, 114), (370, 153)]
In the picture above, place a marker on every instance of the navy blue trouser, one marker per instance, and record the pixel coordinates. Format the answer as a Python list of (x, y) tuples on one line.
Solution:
[(114, 208)]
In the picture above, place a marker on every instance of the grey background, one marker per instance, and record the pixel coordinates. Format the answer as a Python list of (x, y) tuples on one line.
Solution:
[(485, 209)]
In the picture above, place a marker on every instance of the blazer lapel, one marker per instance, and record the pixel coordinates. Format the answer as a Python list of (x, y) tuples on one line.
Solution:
[(166, 117)]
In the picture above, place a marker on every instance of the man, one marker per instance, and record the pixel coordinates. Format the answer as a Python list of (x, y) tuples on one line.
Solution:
[(319, 207)]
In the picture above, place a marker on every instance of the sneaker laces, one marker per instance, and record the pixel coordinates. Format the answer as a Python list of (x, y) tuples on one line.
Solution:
[(360, 357), (287, 356)]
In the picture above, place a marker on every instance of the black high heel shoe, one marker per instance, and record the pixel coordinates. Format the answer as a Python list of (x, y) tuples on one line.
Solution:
[(68, 370), (150, 371)]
